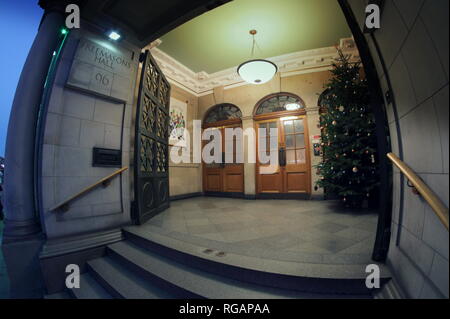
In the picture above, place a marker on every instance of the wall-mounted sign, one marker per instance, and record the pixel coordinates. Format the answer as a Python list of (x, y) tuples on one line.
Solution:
[(317, 149), (103, 67), (316, 145), (177, 124), (103, 157)]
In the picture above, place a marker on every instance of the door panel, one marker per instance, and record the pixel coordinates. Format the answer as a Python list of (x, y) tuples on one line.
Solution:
[(233, 179), (151, 143), (269, 176), (271, 183), (213, 180), (296, 171), (296, 182)]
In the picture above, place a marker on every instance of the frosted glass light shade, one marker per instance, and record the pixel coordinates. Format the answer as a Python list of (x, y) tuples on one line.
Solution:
[(257, 71)]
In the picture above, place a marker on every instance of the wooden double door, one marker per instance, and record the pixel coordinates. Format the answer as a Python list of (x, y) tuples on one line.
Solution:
[(220, 177), (291, 175)]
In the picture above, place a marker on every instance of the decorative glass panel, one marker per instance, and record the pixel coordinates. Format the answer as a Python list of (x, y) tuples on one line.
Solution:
[(299, 127), (301, 156), (299, 141), (288, 127), (290, 141), (223, 112), (280, 102), (290, 156)]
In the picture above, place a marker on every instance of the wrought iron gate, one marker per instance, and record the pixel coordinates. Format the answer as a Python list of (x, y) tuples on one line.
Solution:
[(151, 156)]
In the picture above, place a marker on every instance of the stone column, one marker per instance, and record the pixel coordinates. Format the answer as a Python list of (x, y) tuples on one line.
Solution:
[(313, 119), (249, 168), (21, 220), (21, 239)]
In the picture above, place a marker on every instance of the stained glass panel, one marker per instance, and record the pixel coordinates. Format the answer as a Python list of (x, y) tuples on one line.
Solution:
[(279, 103), (223, 112)]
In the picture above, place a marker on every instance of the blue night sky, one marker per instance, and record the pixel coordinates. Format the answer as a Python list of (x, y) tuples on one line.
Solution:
[(19, 21)]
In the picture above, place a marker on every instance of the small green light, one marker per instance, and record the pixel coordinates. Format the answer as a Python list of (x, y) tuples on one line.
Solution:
[(64, 31)]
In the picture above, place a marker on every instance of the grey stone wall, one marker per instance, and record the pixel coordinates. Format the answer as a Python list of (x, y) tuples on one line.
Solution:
[(413, 40), (81, 116)]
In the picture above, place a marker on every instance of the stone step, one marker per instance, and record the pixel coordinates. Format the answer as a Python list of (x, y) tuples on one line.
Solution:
[(304, 277), (148, 265), (122, 283), (391, 290), (89, 289)]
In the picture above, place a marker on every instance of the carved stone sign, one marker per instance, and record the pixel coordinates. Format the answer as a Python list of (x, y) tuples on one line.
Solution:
[(104, 68)]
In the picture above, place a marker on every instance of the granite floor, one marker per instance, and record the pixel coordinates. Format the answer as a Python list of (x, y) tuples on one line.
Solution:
[(276, 229), (4, 283)]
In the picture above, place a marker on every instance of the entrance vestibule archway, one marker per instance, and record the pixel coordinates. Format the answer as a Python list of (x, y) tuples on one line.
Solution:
[(224, 178)]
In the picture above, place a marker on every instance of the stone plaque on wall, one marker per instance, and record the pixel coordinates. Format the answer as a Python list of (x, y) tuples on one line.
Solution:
[(103, 67)]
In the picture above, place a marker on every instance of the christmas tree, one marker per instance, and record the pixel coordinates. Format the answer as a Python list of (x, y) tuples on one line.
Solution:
[(349, 168)]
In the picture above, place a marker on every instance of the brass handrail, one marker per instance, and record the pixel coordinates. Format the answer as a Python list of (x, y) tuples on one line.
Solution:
[(436, 204), (64, 205)]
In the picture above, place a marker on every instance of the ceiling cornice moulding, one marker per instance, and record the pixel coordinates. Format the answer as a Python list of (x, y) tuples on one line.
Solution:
[(291, 64)]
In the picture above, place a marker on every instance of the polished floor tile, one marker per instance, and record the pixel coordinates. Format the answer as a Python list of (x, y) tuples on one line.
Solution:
[(273, 228)]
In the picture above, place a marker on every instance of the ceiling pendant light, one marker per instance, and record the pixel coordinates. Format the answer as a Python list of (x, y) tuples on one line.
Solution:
[(257, 71)]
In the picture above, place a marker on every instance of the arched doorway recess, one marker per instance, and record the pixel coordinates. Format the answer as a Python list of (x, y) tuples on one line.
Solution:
[(224, 178), (291, 176)]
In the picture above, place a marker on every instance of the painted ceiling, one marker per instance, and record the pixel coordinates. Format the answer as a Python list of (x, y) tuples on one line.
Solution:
[(220, 39)]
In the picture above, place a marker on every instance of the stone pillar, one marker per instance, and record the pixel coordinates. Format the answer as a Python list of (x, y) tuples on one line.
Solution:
[(313, 119), (21, 220), (249, 168), (21, 238)]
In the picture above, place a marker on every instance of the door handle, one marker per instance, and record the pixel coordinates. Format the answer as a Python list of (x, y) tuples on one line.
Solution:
[(223, 160), (282, 157)]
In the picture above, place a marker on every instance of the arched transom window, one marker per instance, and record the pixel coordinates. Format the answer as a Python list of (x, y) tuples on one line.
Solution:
[(278, 103), (324, 100), (223, 112)]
